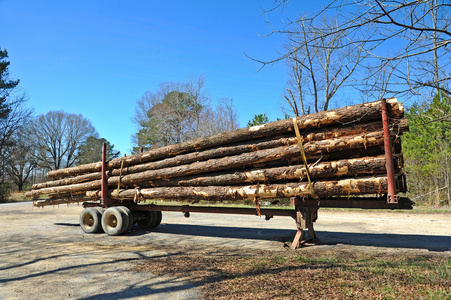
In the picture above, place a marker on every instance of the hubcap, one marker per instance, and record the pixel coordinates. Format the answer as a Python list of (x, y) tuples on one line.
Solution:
[(111, 221), (88, 220)]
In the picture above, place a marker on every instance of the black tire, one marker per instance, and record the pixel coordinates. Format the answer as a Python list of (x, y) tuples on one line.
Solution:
[(101, 210), (90, 220), (147, 220), (158, 218), (129, 215), (114, 221)]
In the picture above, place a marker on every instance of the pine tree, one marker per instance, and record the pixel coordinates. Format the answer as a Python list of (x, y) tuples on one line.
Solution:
[(427, 149), (6, 85)]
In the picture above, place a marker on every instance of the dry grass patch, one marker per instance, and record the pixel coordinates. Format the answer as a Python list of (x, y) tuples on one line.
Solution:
[(294, 276)]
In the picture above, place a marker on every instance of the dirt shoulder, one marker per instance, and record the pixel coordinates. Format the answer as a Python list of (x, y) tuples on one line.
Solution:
[(45, 254)]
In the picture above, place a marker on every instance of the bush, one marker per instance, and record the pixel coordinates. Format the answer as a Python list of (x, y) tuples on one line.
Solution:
[(5, 191)]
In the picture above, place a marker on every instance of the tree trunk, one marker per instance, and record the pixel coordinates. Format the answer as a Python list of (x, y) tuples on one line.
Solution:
[(312, 135), (61, 200), (345, 187), (68, 181), (343, 144), (341, 116), (332, 169)]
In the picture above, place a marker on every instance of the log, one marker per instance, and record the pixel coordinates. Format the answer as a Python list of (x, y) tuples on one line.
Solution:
[(341, 116), (344, 187), (67, 181), (344, 168), (62, 200), (250, 146), (173, 161), (228, 163)]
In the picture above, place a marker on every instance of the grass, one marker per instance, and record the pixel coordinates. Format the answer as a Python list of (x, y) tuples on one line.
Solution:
[(16, 196), (290, 276)]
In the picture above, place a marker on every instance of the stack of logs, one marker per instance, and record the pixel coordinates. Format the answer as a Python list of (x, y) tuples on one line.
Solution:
[(344, 149)]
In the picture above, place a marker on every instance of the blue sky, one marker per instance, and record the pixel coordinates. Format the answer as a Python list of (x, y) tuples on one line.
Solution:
[(97, 58)]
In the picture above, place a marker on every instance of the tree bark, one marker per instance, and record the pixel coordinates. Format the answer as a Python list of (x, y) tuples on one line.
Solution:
[(344, 187), (61, 200), (68, 181), (362, 141), (312, 135), (341, 116), (344, 168)]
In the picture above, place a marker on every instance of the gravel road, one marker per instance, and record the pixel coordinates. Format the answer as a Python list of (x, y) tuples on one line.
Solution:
[(45, 254)]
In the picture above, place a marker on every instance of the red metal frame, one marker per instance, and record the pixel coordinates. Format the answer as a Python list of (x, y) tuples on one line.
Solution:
[(304, 212), (391, 196), (360, 202), (105, 200)]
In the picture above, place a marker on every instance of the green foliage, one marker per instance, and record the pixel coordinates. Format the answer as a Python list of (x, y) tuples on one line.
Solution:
[(258, 120), (170, 121), (178, 112), (6, 85), (91, 151), (5, 191), (427, 150)]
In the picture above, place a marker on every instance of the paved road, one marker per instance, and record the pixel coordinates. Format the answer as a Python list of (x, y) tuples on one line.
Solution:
[(45, 254)]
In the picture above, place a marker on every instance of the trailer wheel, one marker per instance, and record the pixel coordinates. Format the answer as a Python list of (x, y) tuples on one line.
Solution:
[(129, 215), (158, 217), (101, 210), (90, 220), (114, 221), (146, 219)]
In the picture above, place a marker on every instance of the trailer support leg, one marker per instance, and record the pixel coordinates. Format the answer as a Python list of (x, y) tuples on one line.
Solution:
[(305, 217)]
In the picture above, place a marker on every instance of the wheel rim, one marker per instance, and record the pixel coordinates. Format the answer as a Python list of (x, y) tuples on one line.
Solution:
[(88, 220), (111, 221)]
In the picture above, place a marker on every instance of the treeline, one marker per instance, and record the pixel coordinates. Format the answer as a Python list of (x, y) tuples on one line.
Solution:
[(180, 111), (378, 49), (427, 151), (31, 145), (47, 142)]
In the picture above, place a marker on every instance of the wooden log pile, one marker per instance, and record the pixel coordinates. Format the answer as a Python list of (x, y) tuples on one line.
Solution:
[(344, 150)]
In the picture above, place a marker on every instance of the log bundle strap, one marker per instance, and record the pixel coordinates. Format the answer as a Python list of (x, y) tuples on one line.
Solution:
[(304, 159), (327, 154)]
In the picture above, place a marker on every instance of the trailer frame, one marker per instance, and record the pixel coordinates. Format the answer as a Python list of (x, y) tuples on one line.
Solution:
[(305, 211)]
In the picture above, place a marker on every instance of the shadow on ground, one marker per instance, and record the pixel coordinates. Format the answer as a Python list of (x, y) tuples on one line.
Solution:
[(427, 242)]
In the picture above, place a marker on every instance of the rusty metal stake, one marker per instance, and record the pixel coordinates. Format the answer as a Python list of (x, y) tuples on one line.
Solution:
[(104, 187), (391, 196)]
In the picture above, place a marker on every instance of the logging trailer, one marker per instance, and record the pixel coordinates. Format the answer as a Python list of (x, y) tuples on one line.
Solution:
[(117, 216)]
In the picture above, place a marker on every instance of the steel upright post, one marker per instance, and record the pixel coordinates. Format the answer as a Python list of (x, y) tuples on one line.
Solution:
[(104, 187), (391, 195)]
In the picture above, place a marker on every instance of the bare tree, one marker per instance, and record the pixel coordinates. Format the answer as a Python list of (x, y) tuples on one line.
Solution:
[(408, 41), (177, 112), (319, 65), (17, 115), (171, 114), (220, 119), (57, 136), (21, 160)]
